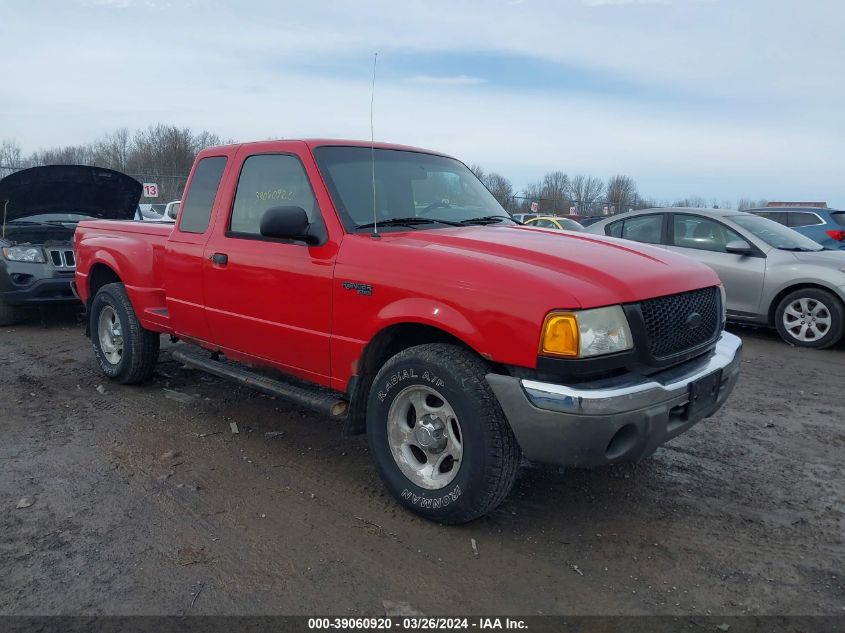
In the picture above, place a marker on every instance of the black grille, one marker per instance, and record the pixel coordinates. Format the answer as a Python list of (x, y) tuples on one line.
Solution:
[(670, 321), (63, 259)]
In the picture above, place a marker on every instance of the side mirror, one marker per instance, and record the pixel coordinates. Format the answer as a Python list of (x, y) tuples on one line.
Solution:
[(286, 223), (739, 247)]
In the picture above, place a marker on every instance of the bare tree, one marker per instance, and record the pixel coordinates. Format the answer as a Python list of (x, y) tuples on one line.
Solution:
[(692, 202), (500, 187), (11, 157), (68, 155), (165, 153), (114, 150), (584, 191), (556, 190), (621, 193), (478, 170)]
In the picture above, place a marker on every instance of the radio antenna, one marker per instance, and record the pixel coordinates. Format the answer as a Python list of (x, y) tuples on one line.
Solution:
[(373, 145)]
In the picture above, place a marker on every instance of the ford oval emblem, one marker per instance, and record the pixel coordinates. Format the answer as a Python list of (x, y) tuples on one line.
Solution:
[(694, 320)]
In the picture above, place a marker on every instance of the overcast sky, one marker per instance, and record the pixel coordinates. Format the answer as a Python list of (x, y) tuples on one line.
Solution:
[(720, 98)]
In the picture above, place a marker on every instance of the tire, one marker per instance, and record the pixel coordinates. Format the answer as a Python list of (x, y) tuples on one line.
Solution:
[(9, 315), (416, 454), (126, 353), (810, 317)]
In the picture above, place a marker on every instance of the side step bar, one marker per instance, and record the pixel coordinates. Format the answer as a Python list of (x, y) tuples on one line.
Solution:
[(317, 398)]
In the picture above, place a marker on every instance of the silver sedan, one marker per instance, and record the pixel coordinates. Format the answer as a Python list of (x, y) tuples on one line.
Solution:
[(772, 275)]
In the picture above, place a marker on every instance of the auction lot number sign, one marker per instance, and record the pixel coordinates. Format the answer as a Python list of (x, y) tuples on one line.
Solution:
[(150, 190)]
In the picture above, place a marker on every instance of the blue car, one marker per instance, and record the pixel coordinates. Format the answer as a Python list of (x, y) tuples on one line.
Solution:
[(825, 226)]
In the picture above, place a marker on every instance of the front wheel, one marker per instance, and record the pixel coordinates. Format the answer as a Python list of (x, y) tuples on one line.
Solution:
[(124, 350), (810, 317), (438, 436)]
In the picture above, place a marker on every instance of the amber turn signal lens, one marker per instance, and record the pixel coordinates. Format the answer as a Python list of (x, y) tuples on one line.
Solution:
[(560, 335)]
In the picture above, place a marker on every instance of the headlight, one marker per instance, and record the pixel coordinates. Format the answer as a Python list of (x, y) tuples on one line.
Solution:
[(586, 333), (24, 254)]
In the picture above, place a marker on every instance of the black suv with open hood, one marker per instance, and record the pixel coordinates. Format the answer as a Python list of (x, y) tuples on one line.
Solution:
[(39, 210)]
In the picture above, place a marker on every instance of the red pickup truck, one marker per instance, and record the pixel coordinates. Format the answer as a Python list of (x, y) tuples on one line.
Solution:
[(386, 286)]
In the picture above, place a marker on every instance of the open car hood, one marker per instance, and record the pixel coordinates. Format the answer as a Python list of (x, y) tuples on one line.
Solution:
[(95, 191)]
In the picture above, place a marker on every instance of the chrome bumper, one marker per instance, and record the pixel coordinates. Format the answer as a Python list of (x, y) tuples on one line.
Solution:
[(616, 419)]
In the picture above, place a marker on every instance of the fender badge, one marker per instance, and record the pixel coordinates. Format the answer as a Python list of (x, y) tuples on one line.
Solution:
[(365, 290)]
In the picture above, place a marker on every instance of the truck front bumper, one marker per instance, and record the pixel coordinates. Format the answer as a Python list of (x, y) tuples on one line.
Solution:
[(624, 418)]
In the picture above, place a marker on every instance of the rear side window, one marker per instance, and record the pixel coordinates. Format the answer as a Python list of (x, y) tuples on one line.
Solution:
[(803, 218), (780, 217), (838, 217), (267, 181), (646, 228), (615, 229), (196, 208)]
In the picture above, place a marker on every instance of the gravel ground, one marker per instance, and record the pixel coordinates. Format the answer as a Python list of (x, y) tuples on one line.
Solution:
[(144, 502)]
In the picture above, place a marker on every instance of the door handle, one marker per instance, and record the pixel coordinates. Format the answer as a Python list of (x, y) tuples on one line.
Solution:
[(219, 259)]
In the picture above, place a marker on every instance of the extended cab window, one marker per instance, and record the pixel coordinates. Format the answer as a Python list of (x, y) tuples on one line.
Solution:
[(267, 181), (196, 209)]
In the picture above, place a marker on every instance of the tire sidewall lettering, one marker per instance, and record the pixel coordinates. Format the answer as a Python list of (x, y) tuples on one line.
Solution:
[(424, 376), (432, 503)]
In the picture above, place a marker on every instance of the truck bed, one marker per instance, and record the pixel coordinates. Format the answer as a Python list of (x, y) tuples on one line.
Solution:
[(141, 247)]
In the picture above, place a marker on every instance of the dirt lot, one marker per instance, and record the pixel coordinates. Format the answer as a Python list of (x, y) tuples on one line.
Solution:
[(145, 502)]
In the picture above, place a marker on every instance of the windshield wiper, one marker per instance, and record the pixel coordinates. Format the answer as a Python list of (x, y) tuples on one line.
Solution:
[(485, 219), (412, 222), (800, 249)]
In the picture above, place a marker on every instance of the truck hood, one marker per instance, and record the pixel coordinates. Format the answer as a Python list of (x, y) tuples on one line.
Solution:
[(583, 269), (95, 191)]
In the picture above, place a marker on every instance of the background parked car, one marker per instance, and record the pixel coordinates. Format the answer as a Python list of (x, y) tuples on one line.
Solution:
[(591, 219), (825, 226), (171, 211), (41, 208), (772, 274), (551, 222), (523, 217), (154, 212)]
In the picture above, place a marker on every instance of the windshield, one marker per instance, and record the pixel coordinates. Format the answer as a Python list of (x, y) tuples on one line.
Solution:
[(425, 190), (62, 218), (775, 234)]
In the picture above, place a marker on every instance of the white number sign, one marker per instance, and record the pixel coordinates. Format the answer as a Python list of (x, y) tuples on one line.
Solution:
[(150, 190)]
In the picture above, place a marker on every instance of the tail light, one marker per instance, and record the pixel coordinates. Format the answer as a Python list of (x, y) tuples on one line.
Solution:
[(839, 236)]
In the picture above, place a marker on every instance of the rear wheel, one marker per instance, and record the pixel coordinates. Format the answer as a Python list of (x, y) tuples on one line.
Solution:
[(124, 350), (810, 317), (438, 436)]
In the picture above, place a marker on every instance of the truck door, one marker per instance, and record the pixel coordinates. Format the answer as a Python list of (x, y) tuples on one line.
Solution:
[(266, 297), (184, 251)]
